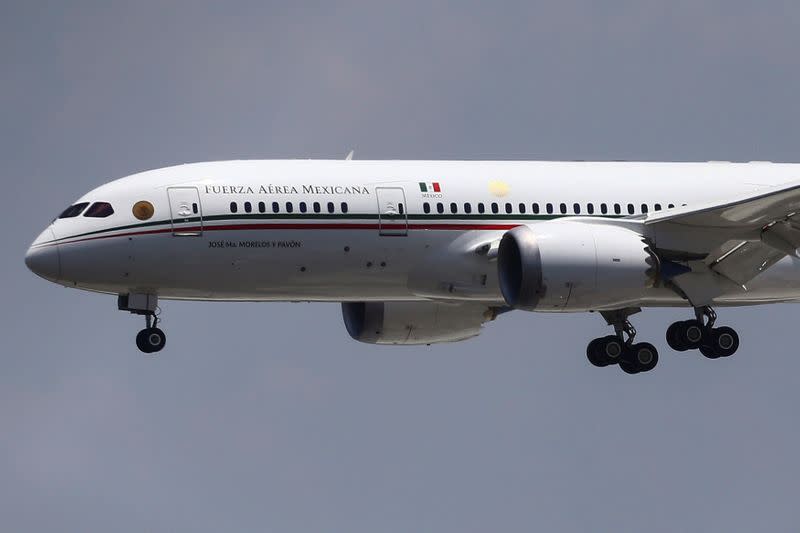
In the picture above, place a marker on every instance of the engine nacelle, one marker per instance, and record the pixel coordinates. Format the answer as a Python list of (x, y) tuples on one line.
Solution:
[(574, 266), (413, 322)]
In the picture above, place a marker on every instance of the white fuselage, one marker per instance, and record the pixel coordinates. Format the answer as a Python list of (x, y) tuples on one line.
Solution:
[(379, 241)]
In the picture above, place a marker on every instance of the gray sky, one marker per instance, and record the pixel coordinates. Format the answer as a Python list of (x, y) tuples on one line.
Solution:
[(267, 417)]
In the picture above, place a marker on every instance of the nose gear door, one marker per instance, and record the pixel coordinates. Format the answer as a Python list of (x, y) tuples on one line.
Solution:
[(185, 211), (392, 212)]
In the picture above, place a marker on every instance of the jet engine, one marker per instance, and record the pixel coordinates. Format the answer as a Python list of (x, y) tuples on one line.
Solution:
[(574, 266), (413, 322)]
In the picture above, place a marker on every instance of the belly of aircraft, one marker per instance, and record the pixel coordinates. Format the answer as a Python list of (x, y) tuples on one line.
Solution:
[(335, 265)]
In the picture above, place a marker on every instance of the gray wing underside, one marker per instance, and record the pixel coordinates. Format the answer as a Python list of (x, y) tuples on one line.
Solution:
[(728, 243)]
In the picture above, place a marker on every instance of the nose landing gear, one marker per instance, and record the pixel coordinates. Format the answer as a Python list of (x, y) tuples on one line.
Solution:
[(631, 357), (700, 334), (151, 339)]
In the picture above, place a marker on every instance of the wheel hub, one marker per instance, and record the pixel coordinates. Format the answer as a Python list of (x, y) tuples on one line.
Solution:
[(644, 356), (613, 349), (725, 341), (694, 334)]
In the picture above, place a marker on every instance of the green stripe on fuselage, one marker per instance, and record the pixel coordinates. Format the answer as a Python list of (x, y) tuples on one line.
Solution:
[(487, 218)]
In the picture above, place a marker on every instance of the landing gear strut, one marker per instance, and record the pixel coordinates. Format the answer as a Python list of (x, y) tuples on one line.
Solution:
[(619, 348), (700, 334), (151, 339)]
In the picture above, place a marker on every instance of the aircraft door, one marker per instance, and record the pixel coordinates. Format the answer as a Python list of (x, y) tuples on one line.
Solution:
[(392, 211), (185, 211)]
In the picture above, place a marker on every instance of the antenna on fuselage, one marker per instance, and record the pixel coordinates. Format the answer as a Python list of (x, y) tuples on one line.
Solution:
[(350, 155)]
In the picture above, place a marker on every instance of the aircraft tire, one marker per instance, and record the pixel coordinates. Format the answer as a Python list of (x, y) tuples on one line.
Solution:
[(710, 352), (151, 340), (612, 349), (674, 336), (629, 367), (692, 334), (141, 341), (595, 354), (726, 341), (645, 356)]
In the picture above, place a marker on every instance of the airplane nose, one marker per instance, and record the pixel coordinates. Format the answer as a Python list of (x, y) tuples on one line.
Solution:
[(44, 262), (43, 259)]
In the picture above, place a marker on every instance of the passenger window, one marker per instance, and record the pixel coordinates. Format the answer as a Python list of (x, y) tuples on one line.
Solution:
[(617, 209), (276, 207), (563, 208), (289, 207), (467, 207), (671, 206), (509, 209), (73, 210), (644, 208), (522, 208), (248, 207), (234, 207), (262, 207), (603, 208), (426, 207), (481, 208), (535, 209), (549, 209), (331, 208), (401, 208), (440, 208), (194, 208), (590, 208), (630, 209), (303, 207), (99, 210), (576, 208), (317, 207), (657, 207), (495, 208), (453, 208), (344, 207)]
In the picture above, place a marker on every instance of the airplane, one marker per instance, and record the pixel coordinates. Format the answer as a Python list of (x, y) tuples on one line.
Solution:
[(424, 252)]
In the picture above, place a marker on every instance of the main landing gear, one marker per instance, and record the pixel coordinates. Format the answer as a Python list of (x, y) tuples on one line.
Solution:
[(619, 349), (632, 358), (701, 334), (151, 339)]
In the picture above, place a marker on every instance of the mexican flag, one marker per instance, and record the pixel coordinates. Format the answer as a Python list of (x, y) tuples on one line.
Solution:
[(430, 187)]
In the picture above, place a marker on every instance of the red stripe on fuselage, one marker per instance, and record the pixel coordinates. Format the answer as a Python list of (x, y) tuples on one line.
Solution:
[(297, 226)]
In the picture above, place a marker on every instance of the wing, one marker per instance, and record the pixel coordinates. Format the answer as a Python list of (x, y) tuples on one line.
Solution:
[(727, 244), (763, 206)]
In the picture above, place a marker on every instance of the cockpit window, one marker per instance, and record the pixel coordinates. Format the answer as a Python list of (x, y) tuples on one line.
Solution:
[(99, 210), (73, 210)]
